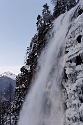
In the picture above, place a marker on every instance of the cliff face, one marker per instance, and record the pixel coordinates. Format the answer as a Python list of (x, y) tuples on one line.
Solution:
[(73, 73)]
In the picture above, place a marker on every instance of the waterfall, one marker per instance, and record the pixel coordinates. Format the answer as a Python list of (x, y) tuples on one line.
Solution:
[(44, 103)]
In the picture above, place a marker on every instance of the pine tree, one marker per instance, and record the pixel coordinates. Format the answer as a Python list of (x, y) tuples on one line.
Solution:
[(46, 14), (57, 9), (63, 6), (19, 99), (39, 22), (70, 4)]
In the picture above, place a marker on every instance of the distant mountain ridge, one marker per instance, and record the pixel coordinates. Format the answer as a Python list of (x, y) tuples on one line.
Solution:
[(7, 86), (8, 74)]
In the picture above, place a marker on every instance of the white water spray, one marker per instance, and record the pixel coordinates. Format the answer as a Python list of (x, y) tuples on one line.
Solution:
[(44, 103)]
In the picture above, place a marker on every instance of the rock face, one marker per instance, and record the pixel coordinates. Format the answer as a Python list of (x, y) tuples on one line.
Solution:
[(73, 73)]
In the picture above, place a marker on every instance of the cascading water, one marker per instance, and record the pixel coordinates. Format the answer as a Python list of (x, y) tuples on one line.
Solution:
[(44, 102)]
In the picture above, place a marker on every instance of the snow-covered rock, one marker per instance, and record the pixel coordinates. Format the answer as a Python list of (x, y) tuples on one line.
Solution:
[(74, 72)]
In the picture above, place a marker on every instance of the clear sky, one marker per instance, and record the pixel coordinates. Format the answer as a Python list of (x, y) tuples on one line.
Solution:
[(17, 26)]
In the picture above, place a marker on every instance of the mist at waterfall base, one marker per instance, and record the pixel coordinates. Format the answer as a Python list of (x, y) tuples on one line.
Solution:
[(44, 103)]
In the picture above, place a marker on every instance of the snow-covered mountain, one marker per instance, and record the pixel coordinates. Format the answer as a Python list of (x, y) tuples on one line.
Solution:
[(9, 75), (7, 86)]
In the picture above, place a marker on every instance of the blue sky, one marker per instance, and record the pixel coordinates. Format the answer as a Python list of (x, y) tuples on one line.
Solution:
[(17, 26)]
